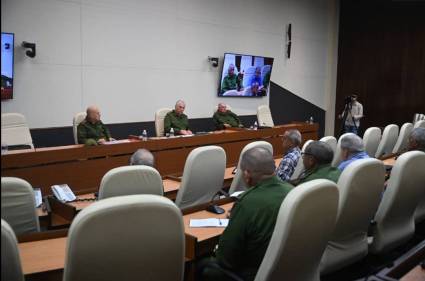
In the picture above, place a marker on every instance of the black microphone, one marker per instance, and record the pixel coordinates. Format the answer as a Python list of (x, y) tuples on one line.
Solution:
[(213, 208)]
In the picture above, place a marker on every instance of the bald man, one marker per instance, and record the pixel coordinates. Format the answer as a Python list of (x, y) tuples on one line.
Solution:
[(224, 118), (91, 131), (177, 120)]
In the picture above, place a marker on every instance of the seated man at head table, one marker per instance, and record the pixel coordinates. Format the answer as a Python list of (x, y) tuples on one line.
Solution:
[(417, 140), (244, 242), (317, 160), (177, 120), (352, 149), (291, 141), (142, 157), (224, 118), (91, 131)]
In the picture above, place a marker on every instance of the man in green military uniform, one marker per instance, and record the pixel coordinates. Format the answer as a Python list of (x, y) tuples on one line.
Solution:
[(177, 120), (230, 81), (244, 242), (317, 160), (91, 131), (224, 118)]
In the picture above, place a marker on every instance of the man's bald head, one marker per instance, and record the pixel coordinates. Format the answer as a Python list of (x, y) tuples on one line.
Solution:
[(142, 157), (93, 114), (257, 163)]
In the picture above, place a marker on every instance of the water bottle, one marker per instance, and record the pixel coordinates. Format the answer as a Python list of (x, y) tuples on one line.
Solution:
[(311, 120), (255, 125), (4, 148), (171, 132), (144, 135)]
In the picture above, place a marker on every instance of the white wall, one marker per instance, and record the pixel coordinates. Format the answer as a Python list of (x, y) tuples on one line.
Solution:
[(132, 57)]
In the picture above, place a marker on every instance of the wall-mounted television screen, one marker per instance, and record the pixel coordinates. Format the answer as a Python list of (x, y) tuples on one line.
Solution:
[(7, 47), (245, 76)]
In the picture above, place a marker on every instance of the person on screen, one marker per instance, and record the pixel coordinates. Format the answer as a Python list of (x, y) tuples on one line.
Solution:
[(177, 120), (224, 118), (266, 80), (91, 131), (230, 81), (256, 83)]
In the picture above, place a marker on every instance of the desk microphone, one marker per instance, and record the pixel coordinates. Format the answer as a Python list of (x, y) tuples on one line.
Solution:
[(213, 208)]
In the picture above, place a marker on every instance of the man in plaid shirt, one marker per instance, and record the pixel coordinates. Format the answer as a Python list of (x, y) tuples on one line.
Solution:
[(291, 154)]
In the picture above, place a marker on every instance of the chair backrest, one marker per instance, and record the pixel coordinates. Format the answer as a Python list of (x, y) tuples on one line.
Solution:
[(395, 216), (15, 130), (388, 140), (18, 205), (159, 121), (203, 176), (337, 154), (331, 140), (417, 117), (403, 138), (130, 180), (264, 116), (126, 238), (420, 210), (304, 224), (300, 164), (248, 74), (371, 139), (10, 261), (360, 187), (78, 118), (238, 183), (420, 123)]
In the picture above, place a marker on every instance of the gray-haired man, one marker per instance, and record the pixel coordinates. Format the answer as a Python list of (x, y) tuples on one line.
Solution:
[(291, 154)]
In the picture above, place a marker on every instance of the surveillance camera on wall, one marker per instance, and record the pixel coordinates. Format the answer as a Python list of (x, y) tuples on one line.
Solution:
[(213, 61), (27, 45)]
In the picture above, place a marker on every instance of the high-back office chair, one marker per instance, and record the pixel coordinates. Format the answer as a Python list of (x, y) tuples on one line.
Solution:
[(360, 187), (394, 219), (389, 138), (420, 123), (300, 164), (331, 140), (337, 155), (78, 118), (135, 237), (304, 224), (159, 121), (371, 139), (264, 116), (130, 180), (15, 130), (10, 261), (403, 138), (203, 176), (238, 183), (18, 205), (417, 117)]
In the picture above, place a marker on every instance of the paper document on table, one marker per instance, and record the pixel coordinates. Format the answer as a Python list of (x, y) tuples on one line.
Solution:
[(213, 222), (236, 193), (38, 197), (116, 142)]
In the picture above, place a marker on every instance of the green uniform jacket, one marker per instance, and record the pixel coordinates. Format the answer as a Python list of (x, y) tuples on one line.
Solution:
[(89, 133), (245, 240), (322, 172), (229, 83), (177, 122), (227, 117)]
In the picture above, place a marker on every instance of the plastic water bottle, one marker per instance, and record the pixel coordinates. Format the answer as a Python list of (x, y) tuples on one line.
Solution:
[(171, 132), (144, 135), (311, 120), (255, 126)]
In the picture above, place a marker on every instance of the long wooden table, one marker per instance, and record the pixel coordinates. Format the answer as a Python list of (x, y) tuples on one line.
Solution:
[(82, 168)]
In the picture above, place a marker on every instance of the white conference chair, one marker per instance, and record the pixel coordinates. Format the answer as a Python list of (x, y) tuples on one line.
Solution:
[(203, 176), (403, 138), (126, 238), (304, 224), (337, 155), (395, 222), (238, 183), (417, 117), (78, 118), (130, 180), (18, 205), (420, 123), (10, 261), (159, 121), (371, 139), (264, 116), (360, 187), (331, 140), (388, 140), (300, 165), (15, 130)]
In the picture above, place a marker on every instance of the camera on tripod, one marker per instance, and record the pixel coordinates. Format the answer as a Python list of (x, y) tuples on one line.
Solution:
[(348, 100)]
